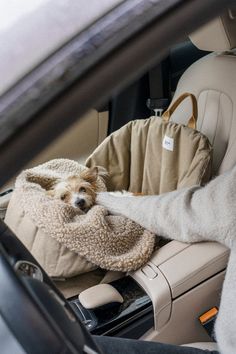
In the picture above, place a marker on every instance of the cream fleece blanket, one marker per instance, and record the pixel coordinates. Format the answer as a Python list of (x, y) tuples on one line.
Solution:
[(110, 242), (192, 215)]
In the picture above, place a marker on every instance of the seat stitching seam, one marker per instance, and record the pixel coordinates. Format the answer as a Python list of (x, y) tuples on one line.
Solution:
[(196, 272), (204, 109), (224, 32), (217, 122), (229, 148)]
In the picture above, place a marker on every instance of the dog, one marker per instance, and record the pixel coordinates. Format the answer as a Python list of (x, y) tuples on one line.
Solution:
[(79, 191)]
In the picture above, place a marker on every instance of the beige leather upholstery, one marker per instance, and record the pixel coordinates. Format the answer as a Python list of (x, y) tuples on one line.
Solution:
[(185, 280), (204, 259), (176, 319), (175, 270), (99, 295), (218, 35), (212, 80), (202, 345)]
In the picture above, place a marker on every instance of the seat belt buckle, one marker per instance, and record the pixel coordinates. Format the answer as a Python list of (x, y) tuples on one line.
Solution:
[(158, 105), (207, 320)]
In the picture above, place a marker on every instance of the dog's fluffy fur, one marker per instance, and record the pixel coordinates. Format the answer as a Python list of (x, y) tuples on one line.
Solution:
[(79, 190)]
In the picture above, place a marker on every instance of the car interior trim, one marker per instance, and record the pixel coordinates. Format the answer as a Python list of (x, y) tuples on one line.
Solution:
[(98, 82)]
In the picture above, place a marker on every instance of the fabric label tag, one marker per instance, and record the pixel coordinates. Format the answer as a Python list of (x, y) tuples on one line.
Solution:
[(168, 143)]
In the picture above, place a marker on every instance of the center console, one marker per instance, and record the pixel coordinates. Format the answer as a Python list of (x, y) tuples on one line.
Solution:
[(162, 300), (131, 318)]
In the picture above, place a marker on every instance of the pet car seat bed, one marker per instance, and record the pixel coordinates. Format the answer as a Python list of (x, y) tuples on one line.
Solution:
[(65, 242)]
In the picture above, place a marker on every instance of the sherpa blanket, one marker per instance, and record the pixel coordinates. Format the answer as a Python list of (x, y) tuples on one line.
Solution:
[(103, 240), (193, 215)]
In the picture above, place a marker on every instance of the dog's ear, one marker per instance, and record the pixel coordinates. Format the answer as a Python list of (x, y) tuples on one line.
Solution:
[(52, 192), (102, 172), (92, 174)]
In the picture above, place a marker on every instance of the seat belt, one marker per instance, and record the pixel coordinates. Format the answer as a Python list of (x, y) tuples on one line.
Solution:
[(159, 88)]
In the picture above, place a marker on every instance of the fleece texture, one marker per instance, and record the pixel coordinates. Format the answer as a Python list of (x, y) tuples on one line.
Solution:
[(110, 242), (192, 215)]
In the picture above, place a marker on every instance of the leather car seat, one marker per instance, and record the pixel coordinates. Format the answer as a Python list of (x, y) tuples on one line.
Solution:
[(212, 79)]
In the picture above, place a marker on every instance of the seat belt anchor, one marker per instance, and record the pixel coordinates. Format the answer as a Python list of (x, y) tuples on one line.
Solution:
[(158, 112), (158, 105)]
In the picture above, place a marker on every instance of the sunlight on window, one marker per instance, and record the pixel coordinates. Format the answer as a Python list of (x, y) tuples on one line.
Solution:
[(12, 10)]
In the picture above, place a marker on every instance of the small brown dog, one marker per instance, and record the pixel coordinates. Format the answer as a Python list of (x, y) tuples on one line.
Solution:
[(79, 190)]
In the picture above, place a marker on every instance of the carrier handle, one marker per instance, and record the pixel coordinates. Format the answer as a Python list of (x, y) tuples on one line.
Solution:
[(193, 119)]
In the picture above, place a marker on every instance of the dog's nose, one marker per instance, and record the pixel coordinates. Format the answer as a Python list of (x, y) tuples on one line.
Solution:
[(80, 202)]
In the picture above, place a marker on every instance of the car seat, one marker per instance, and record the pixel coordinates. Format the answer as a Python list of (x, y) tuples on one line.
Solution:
[(212, 79)]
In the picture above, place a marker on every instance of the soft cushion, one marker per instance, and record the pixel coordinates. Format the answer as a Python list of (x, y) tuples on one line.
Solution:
[(136, 160), (65, 243)]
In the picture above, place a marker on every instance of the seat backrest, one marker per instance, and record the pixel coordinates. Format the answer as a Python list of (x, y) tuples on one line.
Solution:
[(212, 79)]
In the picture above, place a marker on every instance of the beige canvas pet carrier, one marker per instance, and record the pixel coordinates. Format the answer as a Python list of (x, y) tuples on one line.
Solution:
[(154, 156), (150, 156)]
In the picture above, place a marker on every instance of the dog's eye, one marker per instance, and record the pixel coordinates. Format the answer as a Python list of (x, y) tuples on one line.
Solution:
[(82, 190), (63, 196)]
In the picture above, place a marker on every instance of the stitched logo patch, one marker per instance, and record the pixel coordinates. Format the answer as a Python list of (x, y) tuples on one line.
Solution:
[(168, 143)]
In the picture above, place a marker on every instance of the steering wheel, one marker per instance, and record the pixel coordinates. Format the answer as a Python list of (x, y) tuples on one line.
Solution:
[(36, 312)]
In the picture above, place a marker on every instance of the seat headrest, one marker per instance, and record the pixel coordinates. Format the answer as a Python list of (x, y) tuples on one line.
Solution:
[(218, 35)]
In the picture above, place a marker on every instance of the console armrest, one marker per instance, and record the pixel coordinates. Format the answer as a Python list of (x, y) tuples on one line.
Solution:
[(191, 265), (176, 269)]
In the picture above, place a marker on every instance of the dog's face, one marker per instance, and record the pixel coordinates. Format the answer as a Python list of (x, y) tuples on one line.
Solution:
[(80, 190)]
